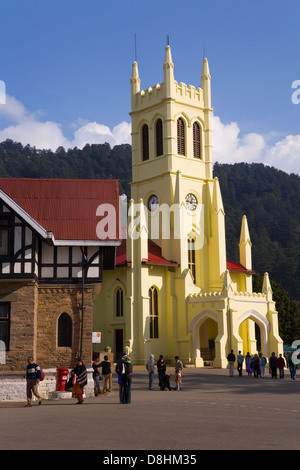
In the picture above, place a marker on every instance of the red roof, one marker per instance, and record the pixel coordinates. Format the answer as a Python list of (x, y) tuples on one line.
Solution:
[(237, 268), (65, 207), (154, 256)]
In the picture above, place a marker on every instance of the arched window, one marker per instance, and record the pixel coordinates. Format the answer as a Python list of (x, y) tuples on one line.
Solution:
[(196, 140), (64, 330), (145, 142), (159, 138), (180, 137), (191, 257), (119, 302), (153, 312)]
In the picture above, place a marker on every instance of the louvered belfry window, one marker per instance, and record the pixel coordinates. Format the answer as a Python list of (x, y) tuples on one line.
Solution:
[(180, 137), (159, 138), (145, 142), (196, 140), (191, 258)]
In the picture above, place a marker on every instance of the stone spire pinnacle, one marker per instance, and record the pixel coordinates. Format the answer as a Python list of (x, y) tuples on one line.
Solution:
[(168, 71), (205, 83), (135, 79), (245, 245)]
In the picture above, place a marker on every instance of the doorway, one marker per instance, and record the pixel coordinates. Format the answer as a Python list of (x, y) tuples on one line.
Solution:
[(119, 344)]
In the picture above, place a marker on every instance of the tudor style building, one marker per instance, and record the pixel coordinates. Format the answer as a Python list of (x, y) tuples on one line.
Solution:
[(48, 239)]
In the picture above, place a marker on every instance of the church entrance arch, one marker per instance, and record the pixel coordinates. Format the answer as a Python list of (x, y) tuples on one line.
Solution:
[(253, 333), (205, 330)]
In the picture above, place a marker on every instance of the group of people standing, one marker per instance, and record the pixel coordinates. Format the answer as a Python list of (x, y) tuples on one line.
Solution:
[(255, 365), (163, 377)]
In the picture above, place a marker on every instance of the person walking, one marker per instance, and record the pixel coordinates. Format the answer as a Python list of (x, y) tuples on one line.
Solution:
[(240, 361), (127, 380), (281, 365), (150, 366), (33, 375), (273, 365), (231, 361), (79, 374), (178, 372), (107, 375), (161, 367)]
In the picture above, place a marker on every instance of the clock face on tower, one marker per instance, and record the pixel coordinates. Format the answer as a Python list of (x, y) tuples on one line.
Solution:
[(191, 202), (152, 202)]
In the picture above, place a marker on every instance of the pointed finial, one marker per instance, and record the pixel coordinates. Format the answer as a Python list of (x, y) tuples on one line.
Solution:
[(168, 40), (135, 52)]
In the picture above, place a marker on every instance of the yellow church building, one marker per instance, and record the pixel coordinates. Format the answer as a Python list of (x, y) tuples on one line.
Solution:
[(173, 291)]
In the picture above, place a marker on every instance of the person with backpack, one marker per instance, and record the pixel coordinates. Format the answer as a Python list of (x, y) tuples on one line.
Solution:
[(120, 370), (33, 377)]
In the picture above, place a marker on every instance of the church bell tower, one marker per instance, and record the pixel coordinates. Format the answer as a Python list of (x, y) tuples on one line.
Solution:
[(172, 168)]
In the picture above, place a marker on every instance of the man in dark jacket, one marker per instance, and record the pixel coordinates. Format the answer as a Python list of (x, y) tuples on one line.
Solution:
[(107, 374), (273, 365), (33, 375), (161, 367), (231, 361)]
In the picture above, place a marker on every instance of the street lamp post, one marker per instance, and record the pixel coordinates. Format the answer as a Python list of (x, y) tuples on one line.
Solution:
[(83, 265)]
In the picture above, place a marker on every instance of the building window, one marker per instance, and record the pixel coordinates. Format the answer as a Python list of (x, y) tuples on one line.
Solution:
[(180, 137), (191, 258), (153, 312), (159, 138), (64, 335), (145, 142), (4, 236), (196, 140), (119, 303), (5, 323)]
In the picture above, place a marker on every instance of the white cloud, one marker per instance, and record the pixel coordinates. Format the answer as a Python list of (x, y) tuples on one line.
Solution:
[(28, 128), (12, 110), (95, 133), (229, 145)]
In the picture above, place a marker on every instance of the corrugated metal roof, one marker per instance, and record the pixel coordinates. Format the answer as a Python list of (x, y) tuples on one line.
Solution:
[(65, 207)]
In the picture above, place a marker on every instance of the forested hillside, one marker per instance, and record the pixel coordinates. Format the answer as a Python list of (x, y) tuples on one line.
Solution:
[(271, 201), (269, 198)]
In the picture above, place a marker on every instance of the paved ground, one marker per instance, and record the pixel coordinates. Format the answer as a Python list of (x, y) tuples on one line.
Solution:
[(212, 412)]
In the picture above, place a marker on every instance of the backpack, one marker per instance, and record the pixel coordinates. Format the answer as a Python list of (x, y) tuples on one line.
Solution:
[(42, 375)]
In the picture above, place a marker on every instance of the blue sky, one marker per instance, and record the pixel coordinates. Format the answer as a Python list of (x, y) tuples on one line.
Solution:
[(66, 66)]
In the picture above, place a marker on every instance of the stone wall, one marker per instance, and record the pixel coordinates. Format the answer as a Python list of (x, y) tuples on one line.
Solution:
[(53, 300), (34, 313), (23, 319), (13, 386)]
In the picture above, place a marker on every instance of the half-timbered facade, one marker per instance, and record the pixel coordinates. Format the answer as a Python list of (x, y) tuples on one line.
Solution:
[(51, 264)]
